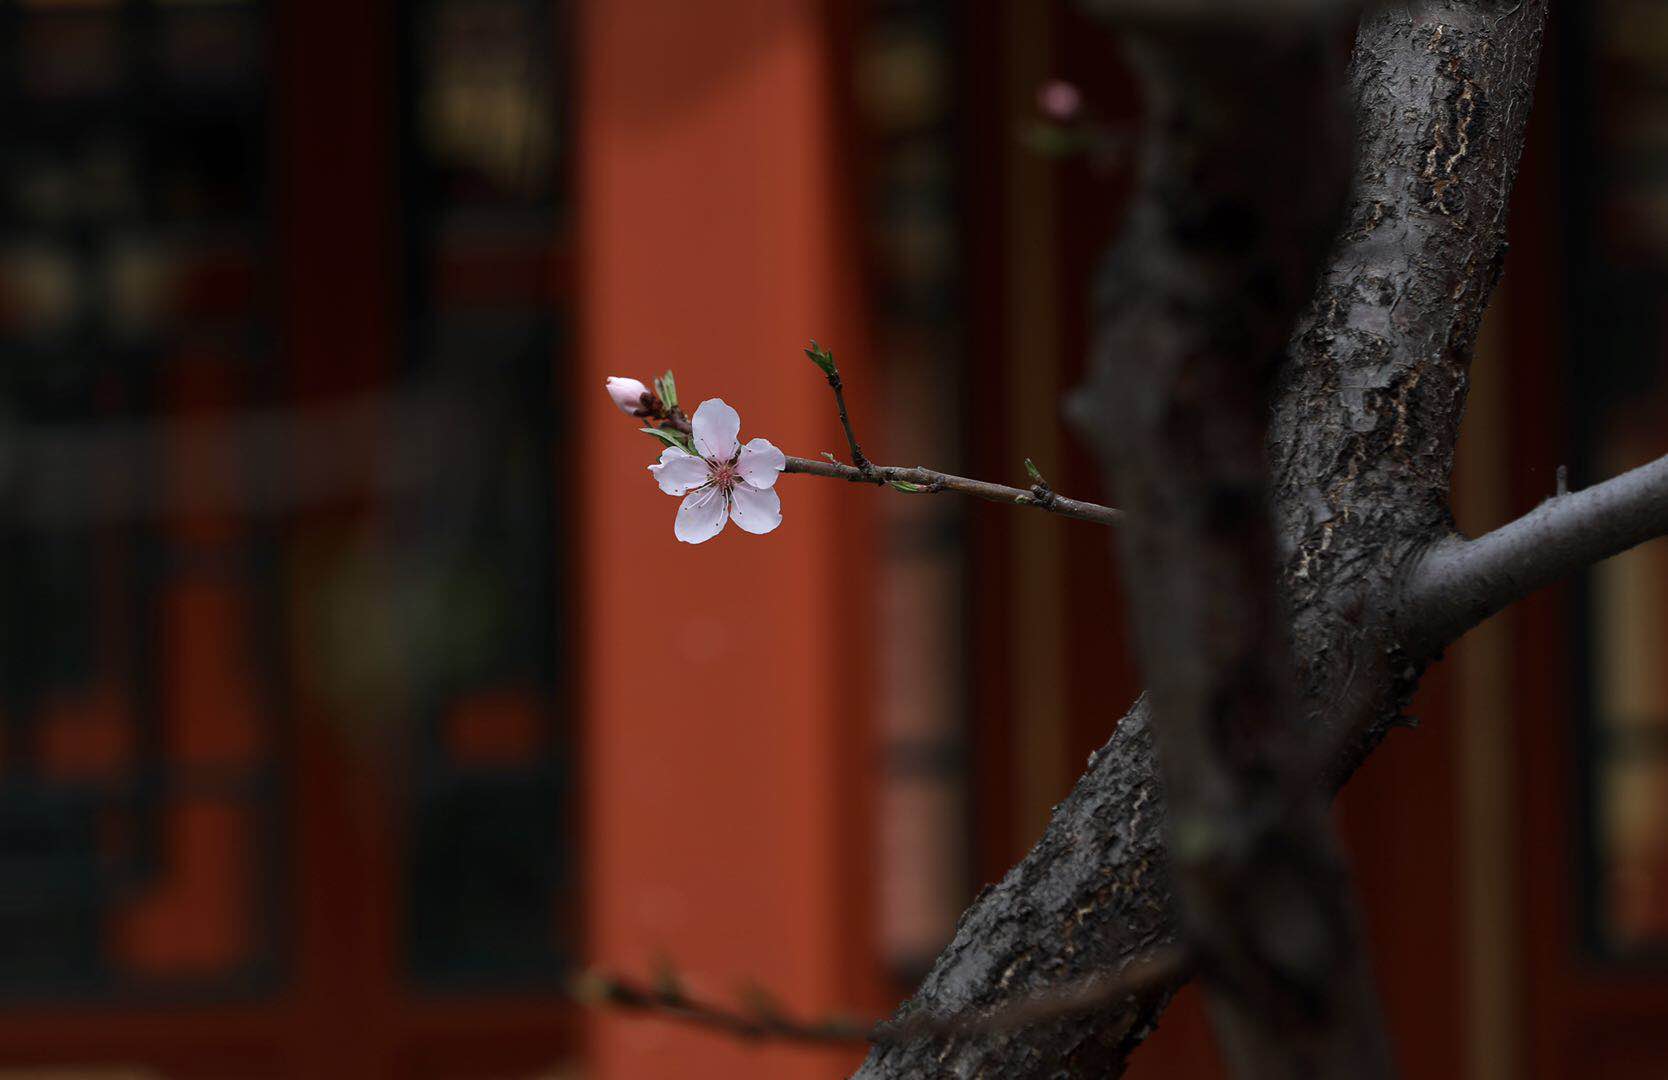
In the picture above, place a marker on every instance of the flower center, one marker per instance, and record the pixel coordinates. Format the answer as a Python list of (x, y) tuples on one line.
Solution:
[(725, 476)]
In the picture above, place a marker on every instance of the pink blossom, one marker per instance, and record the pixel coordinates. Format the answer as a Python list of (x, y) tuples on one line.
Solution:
[(1059, 100), (723, 480)]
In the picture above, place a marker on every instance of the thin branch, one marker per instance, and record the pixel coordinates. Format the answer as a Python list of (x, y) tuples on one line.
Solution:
[(911, 480), (838, 387), (824, 359), (1459, 583), (761, 1019), (929, 481)]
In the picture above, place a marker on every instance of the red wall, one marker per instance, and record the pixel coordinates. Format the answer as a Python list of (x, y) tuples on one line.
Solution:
[(723, 696)]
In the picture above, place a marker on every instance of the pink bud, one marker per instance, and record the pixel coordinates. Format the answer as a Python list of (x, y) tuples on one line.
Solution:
[(1059, 100), (628, 394)]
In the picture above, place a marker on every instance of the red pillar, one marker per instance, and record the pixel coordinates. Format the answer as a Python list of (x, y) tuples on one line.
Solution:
[(715, 712)]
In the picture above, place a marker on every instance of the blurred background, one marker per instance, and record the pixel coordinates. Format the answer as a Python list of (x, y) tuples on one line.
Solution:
[(354, 692)]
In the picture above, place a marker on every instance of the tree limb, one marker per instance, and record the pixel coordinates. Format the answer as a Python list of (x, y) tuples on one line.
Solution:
[(1458, 583), (1101, 863)]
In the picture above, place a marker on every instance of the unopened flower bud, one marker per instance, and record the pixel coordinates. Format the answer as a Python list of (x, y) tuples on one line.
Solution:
[(629, 395), (1059, 100)]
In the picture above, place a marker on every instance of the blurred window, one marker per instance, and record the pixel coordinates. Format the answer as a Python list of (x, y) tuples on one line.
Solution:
[(1620, 376), (486, 238), (139, 763), (907, 90), (202, 544)]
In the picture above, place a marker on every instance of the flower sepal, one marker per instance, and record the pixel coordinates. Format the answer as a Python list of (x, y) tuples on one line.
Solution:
[(671, 437)]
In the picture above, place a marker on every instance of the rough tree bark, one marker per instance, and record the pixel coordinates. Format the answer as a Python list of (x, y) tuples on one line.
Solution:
[(1362, 431), (1197, 303)]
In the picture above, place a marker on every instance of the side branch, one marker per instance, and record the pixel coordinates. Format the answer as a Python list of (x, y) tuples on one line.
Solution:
[(857, 456), (824, 359), (928, 481), (1459, 583), (761, 1019)]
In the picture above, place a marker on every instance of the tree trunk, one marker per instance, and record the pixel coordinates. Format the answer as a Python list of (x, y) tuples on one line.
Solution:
[(1362, 432)]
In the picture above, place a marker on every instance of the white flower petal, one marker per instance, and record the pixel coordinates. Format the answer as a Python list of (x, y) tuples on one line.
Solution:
[(761, 463), (678, 472), (756, 510), (716, 426), (701, 517)]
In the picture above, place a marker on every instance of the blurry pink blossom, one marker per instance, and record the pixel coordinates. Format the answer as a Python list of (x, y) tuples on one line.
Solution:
[(1059, 100)]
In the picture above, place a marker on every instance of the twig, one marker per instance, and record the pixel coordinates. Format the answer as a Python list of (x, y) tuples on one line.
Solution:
[(1040, 490), (824, 359), (762, 1020), (759, 1021), (919, 480), (928, 481)]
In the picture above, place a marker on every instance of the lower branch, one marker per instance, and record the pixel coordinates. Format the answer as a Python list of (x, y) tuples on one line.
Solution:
[(1459, 583), (761, 1019), (667, 1000)]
